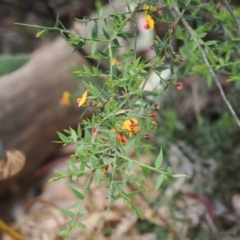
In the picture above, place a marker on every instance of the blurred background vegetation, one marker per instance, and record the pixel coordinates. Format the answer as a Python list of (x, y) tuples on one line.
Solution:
[(196, 130)]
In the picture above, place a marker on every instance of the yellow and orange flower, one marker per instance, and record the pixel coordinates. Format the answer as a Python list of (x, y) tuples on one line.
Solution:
[(150, 22), (131, 126), (82, 99), (65, 100)]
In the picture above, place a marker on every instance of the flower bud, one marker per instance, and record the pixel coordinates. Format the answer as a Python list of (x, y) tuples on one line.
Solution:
[(155, 124), (90, 102), (114, 96), (153, 114), (172, 27), (148, 137), (93, 131), (104, 102), (156, 106)]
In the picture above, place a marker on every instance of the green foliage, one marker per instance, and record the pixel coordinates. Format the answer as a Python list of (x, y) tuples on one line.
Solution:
[(10, 63)]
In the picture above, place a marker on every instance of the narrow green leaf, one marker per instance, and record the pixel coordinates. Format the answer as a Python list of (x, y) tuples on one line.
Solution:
[(67, 213), (179, 175), (123, 35), (101, 13), (79, 131), (129, 167), (169, 170), (73, 134), (190, 17), (56, 22), (75, 169), (83, 211), (64, 36), (129, 34), (145, 171), (159, 181), (75, 205), (99, 175), (156, 49), (93, 48), (106, 34), (74, 185), (235, 70), (159, 159), (59, 173), (208, 43), (77, 194), (233, 78), (74, 177), (79, 45), (163, 46), (95, 30), (80, 225), (169, 14), (64, 233), (114, 72), (202, 35), (195, 45), (40, 33), (134, 193), (103, 53), (161, 68), (115, 41), (93, 162), (54, 179), (62, 137)]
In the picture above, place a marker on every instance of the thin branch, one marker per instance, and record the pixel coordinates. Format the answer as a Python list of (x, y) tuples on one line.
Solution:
[(10, 231), (232, 14), (216, 80)]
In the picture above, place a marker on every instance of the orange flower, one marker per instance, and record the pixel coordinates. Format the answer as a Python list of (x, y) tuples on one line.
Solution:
[(65, 100), (179, 85), (121, 138), (150, 22), (82, 99)]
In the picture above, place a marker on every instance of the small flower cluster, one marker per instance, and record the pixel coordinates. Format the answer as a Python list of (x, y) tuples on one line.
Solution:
[(130, 126)]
